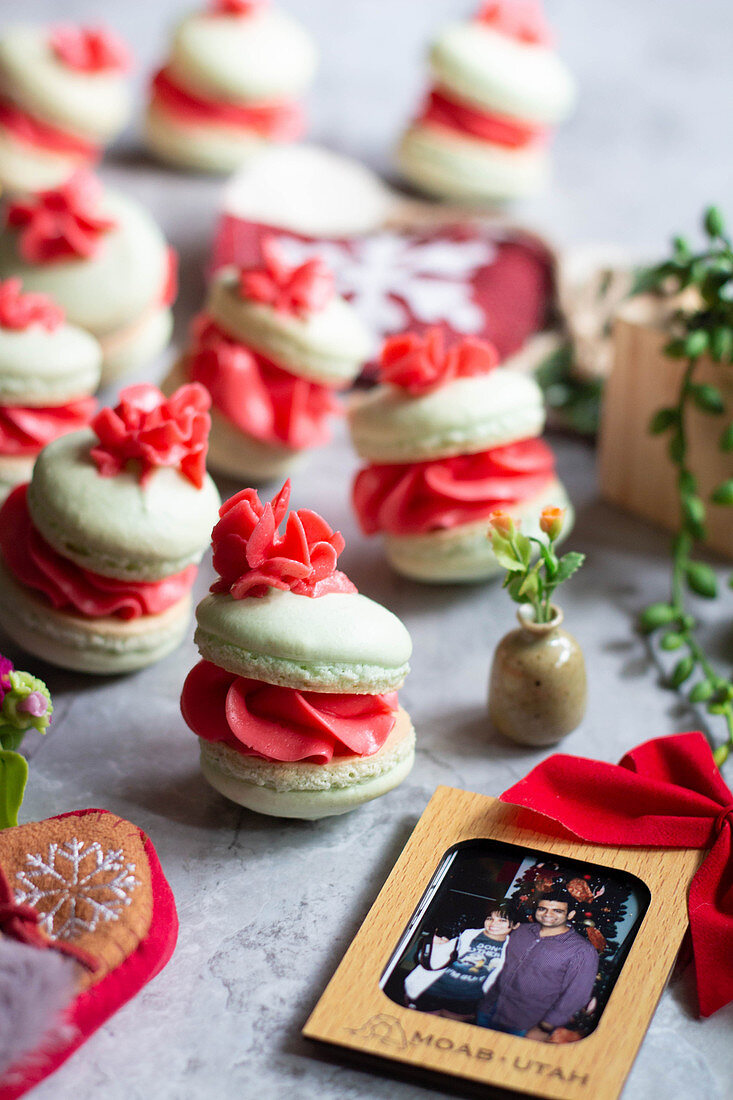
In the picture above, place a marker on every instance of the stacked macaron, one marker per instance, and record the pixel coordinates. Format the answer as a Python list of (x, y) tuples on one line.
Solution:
[(103, 259), (48, 371), (231, 83), (272, 347), (449, 437), (497, 88), (63, 97), (98, 553), (295, 700)]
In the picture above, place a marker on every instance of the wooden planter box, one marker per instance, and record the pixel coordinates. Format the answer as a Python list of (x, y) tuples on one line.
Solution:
[(635, 471)]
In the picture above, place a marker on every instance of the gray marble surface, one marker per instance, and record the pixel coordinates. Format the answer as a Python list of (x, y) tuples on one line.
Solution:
[(267, 908)]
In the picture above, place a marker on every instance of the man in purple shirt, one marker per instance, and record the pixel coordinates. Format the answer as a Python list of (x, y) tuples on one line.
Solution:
[(548, 974)]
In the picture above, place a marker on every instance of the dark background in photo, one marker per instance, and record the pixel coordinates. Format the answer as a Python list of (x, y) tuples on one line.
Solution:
[(474, 876)]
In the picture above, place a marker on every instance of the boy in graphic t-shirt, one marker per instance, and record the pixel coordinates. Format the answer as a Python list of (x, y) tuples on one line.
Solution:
[(461, 969)]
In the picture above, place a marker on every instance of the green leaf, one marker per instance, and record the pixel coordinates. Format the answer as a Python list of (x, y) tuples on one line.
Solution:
[(696, 344), (723, 494), (663, 420), (717, 708), (702, 691), (726, 440), (681, 543), (672, 640), (675, 349), (13, 778), (702, 579), (721, 753), (687, 482), (524, 548), (656, 615), (694, 509), (682, 671), (529, 587), (721, 343), (567, 565), (708, 398), (676, 448), (514, 587), (11, 738), (713, 222), (506, 559), (725, 292)]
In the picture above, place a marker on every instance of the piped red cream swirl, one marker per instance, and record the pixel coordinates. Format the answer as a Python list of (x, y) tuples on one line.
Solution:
[(414, 498), (279, 121), (61, 223), (32, 131), (257, 396), (251, 556), (69, 587), (441, 110), (282, 724), (25, 431), (18, 310), (420, 362), (523, 20)]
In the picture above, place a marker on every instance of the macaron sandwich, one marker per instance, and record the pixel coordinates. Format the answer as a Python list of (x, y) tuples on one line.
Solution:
[(295, 698), (48, 371), (231, 84), (63, 96), (272, 346), (98, 552), (103, 259), (449, 437), (497, 88)]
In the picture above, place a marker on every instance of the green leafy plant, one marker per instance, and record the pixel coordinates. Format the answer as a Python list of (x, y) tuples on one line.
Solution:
[(529, 583), (25, 703), (703, 329)]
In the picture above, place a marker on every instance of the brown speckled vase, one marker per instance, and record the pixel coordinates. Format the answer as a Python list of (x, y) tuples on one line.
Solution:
[(537, 690)]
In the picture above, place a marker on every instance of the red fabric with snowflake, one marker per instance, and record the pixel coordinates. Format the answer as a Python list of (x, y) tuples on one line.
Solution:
[(255, 395), (62, 223), (90, 49), (153, 430), (251, 556), (18, 310)]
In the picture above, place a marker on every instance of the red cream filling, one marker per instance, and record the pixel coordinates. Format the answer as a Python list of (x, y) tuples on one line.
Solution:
[(69, 587), (258, 397), (283, 121), (278, 723), (443, 111), (25, 431), (32, 131), (417, 497)]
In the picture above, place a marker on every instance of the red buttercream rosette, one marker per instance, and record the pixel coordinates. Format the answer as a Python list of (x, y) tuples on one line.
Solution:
[(255, 395), (421, 363), (60, 223), (520, 19), (153, 431), (251, 557), (90, 49), (283, 724), (18, 311), (298, 291), (236, 7)]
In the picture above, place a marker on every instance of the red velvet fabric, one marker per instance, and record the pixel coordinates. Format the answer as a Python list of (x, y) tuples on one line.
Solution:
[(416, 497), (440, 109), (94, 1006), (279, 723), (68, 586), (665, 793), (279, 121), (24, 430)]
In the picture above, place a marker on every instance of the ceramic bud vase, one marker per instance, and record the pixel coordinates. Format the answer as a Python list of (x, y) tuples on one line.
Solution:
[(537, 690)]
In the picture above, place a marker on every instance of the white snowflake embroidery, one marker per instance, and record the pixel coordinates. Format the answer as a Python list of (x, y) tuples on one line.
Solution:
[(76, 886), (392, 278)]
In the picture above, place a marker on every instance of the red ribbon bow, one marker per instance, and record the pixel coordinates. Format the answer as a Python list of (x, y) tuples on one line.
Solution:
[(666, 793)]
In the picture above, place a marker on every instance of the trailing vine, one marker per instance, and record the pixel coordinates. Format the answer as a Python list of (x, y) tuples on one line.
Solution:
[(705, 329)]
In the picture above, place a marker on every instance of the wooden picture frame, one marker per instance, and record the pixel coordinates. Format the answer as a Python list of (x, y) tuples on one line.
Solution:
[(355, 1015)]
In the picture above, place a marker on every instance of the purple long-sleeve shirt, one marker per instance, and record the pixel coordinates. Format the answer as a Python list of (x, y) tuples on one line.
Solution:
[(544, 978)]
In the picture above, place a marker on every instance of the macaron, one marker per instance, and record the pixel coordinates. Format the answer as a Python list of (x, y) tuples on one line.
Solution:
[(295, 698), (497, 88), (48, 371), (273, 346), (449, 437), (63, 97), (103, 259), (100, 550), (231, 85)]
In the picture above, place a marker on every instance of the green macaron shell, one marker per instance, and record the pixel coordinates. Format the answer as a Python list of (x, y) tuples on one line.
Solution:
[(464, 417), (39, 367), (117, 526), (341, 642), (110, 289), (328, 346)]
